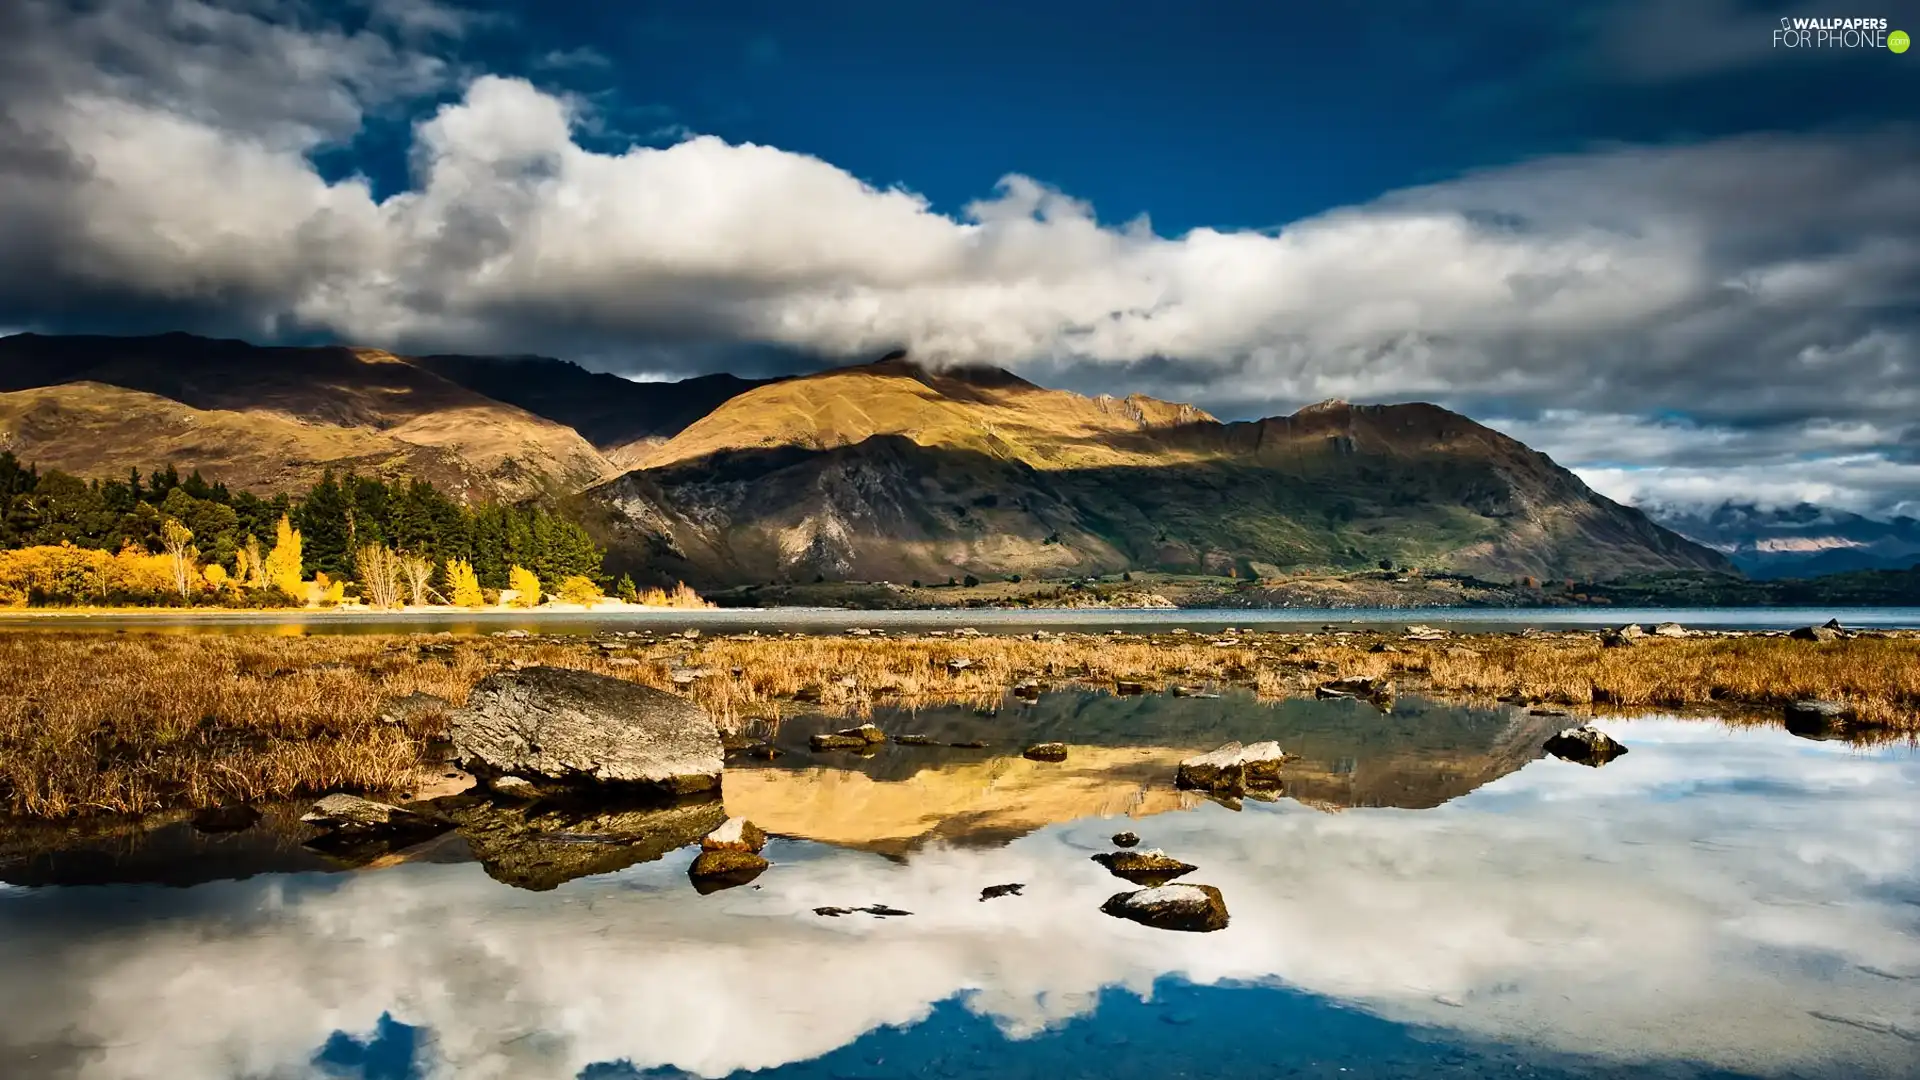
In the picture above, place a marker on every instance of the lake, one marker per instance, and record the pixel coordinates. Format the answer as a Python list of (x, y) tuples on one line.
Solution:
[(1430, 897), (1010, 620)]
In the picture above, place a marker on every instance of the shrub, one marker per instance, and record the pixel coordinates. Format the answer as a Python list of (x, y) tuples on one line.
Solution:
[(525, 585), (580, 590)]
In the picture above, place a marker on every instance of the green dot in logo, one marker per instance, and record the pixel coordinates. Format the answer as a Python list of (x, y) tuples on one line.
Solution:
[(1898, 41)]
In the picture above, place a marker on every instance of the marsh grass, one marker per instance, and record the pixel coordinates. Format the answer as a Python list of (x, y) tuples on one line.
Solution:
[(135, 723)]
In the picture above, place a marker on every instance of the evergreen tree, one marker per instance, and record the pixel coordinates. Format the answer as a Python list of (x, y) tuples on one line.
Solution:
[(323, 523)]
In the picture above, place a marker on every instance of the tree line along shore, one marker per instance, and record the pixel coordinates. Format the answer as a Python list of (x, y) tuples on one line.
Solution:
[(141, 722), (164, 540)]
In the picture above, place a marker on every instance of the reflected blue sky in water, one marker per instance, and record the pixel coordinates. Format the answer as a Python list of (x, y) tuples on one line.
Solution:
[(1716, 902)]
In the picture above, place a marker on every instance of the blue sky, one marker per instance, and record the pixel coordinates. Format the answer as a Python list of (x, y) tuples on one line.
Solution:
[(1638, 235)]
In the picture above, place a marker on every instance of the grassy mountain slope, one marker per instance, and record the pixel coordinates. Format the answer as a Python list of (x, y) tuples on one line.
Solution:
[(370, 400), (890, 472)]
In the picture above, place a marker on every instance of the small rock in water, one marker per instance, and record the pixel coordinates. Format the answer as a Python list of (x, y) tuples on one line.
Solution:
[(1193, 692), (1192, 908), (1149, 867), (237, 817), (913, 740), (1585, 745), (1125, 839), (1233, 769), (879, 911), (859, 738), (1050, 751), (1379, 691), (353, 813), (969, 744), (518, 787), (995, 892), (735, 834), (1129, 686), (726, 868)]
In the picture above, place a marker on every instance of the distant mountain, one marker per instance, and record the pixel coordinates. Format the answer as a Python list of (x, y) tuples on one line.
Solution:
[(1798, 541), (891, 471)]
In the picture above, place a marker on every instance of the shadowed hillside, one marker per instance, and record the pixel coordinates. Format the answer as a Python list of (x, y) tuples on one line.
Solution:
[(891, 472)]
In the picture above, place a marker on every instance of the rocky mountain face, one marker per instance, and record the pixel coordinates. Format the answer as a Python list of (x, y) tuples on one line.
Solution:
[(884, 471), (890, 472), (1798, 541)]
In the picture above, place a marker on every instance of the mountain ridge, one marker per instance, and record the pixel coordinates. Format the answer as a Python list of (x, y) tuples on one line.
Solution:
[(889, 469)]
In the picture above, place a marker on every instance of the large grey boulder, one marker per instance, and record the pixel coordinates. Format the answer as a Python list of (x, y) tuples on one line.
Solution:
[(1194, 908), (561, 727)]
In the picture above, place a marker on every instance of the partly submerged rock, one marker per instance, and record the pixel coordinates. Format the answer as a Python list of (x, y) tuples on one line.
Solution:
[(1046, 751), (859, 738), (1820, 720), (1380, 692), (1125, 839), (1192, 908), (1129, 686), (561, 727), (726, 868), (735, 834), (541, 845), (355, 814), (514, 787), (995, 892), (1233, 769), (1584, 745), (878, 911), (233, 818), (913, 740), (1149, 867)]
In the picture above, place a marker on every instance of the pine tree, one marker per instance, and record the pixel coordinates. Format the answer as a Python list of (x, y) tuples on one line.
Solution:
[(324, 525)]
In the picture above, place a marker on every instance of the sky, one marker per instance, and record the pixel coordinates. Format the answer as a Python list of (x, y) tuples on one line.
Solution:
[(1640, 236)]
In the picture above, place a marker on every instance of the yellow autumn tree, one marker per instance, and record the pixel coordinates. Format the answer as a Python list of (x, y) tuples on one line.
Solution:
[(580, 590), (282, 567), (216, 576), (464, 584), (181, 556), (526, 586)]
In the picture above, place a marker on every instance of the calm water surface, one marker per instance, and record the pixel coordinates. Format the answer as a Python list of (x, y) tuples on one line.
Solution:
[(1431, 899), (1004, 620)]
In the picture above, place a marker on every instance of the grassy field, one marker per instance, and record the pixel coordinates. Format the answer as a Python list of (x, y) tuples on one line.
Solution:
[(135, 722)]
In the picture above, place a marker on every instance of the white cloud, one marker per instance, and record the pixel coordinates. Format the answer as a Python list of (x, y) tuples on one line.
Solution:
[(1757, 283)]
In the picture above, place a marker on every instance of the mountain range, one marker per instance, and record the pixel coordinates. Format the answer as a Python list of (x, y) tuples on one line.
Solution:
[(1798, 541), (883, 471)]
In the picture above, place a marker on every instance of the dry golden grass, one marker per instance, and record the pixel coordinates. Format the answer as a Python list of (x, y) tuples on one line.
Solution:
[(140, 722)]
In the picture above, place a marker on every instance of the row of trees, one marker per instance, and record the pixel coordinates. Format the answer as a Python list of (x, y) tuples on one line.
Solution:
[(168, 539), (397, 540)]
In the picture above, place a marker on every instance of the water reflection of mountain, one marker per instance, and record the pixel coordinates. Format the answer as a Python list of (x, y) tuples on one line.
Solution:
[(1122, 758)]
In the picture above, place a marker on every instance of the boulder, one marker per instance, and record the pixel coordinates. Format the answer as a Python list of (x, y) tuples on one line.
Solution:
[(1614, 639), (1815, 633), (734, 834), (1632, 632), (1192, 908), (360, 830), (1671, 629), (514, 787), (1233, 768), (561, 727), (1819, 720), (1584, 745), (727, 868), (1046, 751), (1125, 839), (1149, 867)]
